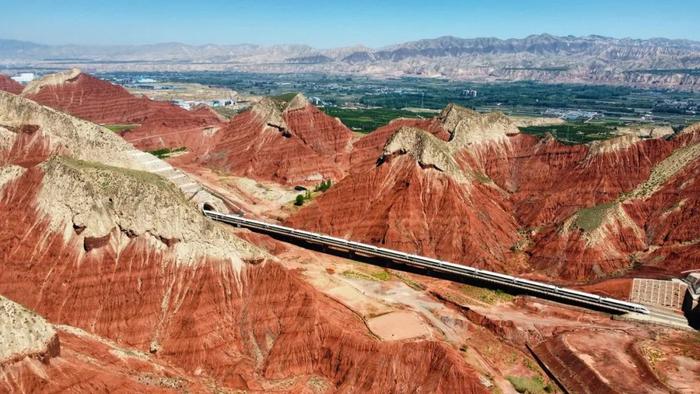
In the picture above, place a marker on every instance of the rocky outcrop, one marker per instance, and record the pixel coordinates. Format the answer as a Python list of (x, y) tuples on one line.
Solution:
[(111, 205), (35, 131), (325, 135), (585, 366), (291, 146), (467, 127), (426, 149), (51, 81), (25, 334), (8, 84), (367, 149)]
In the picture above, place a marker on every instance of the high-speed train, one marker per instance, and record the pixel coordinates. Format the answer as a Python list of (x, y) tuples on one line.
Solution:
[(433, 264)]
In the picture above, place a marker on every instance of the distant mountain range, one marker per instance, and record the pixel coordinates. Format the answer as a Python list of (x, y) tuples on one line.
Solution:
[(591, 59)]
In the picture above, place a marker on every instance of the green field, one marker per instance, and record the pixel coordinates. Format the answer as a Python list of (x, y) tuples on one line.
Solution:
[(367, 120), (388, 98), (576, 132), (515, 98)]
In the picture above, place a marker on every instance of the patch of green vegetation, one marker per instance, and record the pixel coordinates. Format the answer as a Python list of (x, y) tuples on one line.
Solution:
[(410, 283), (487, 296), (323, 186), (107, 176), (227, 112), (513, 98), (368, 120), (589, 219), (120, 128), (282, 100), (302, 198), (377, 276), (481, 177), (382, 275), (575, 132), (164, 153), (530, 385)]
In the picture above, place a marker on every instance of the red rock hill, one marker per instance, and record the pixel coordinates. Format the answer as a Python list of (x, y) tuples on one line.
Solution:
[(99, 101), (121, 255), (288, 142), (417, 199), (8, 84), (577, 212)]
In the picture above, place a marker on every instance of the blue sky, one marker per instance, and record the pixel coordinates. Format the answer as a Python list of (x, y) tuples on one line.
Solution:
[(330, 23)]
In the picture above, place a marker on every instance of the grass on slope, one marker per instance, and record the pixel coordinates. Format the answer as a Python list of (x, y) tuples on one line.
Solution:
[(530, 385), (120, 128), (368, 120), (487, 296), (376, 276), (589, 219), (164, 153), (107, 177), (282, 100), (227, 112)]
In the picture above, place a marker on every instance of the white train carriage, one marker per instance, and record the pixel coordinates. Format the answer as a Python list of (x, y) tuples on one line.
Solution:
[(428, 262)]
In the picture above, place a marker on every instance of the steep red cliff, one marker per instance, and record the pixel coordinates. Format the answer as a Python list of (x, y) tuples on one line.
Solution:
[(89, 98), (325, 135), (10, 85), (259, 143), (405, 204), (594, 210)]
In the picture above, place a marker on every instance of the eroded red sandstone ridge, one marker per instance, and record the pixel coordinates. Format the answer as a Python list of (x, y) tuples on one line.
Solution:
[(120, 254), (93, 99), (524, 204), (8, 84), (415, 201), (288, 142)]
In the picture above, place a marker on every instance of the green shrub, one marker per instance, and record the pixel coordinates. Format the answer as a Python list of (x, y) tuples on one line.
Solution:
[(164, 153), (299, 200), (323, 186)]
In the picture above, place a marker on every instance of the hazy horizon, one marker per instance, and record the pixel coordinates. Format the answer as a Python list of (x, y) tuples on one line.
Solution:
[(325, 48), (324, 25)]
